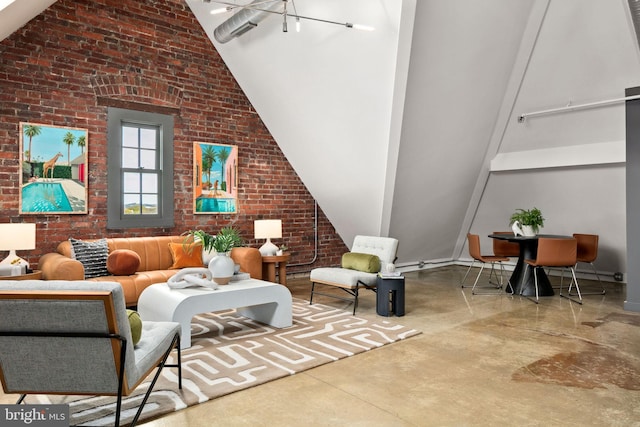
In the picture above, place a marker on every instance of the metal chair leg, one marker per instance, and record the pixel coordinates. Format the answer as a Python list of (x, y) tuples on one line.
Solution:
[(499, 285), (467, 273), (535, 281), (604, 291), (573, 280)]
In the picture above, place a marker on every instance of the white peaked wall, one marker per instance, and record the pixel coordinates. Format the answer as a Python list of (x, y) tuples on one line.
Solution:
[(461, 59), (432, 151), (570, 164), (327, 95)]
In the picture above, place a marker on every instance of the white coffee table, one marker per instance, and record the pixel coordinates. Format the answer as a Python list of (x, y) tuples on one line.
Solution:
[(265, 302)]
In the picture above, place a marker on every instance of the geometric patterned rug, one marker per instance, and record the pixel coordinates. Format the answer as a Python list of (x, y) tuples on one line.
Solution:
[(230, 353)]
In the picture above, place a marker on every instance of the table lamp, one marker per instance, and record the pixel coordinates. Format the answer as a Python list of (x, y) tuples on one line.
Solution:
[(268, 229), (13, 237)]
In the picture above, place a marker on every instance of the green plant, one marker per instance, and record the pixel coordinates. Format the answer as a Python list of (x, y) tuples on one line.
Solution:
[(532, 217), (198, 236), (283, 247), (227, 239)]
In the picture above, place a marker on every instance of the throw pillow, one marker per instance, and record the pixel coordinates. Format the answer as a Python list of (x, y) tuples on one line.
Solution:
[(186, 255), (123, 262), (136, 326), (92, 255), (361, 262)]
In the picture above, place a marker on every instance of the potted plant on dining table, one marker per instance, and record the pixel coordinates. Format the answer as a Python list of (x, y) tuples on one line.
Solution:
[(527, 222)]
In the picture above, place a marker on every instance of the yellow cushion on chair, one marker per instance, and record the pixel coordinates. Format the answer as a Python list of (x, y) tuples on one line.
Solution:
[(361, 262), (136, 325)]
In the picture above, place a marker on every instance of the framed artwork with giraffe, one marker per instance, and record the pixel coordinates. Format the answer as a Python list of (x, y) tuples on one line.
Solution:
[(215, 178), (53, 169)]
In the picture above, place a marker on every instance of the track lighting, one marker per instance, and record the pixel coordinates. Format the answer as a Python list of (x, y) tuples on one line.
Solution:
[(260, 8)]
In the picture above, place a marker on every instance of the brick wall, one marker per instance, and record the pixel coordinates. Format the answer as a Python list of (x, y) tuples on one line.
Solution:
[(68, 64)]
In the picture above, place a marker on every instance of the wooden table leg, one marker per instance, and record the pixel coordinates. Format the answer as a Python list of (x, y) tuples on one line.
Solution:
[(282, 273), (270, 271)]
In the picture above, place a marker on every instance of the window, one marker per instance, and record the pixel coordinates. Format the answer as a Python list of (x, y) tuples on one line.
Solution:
[(140, 168)]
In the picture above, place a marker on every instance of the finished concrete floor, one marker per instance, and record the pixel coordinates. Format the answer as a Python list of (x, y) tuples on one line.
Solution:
[(480, 361)]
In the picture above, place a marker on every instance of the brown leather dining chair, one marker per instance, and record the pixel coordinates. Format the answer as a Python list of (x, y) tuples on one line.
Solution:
[(476, 254), (587, 253), (505, 247), (556, 253)]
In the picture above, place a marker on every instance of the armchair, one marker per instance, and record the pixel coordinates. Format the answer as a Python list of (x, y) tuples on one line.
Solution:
[(350, 280), (74, 338)]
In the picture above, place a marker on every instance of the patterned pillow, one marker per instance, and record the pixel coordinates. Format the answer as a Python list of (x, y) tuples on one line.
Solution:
[(92, 255)]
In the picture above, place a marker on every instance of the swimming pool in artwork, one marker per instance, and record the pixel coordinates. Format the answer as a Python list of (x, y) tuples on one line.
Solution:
[(45, 197), (217, 205)]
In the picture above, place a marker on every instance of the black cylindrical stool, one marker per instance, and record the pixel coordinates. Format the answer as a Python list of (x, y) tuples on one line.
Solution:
[(390, 294)]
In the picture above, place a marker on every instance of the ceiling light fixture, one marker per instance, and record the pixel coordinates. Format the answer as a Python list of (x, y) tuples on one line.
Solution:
[(257, 10), (221, 10)]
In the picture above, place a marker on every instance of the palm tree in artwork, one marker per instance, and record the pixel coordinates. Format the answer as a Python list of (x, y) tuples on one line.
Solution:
[(208, 159), (223, 155), (206, 166), (31, 131), (69, 139), (82, 142)]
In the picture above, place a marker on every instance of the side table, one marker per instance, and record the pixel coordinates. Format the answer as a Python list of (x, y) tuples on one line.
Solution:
[(269, 268), (390, 296), (34, 275)]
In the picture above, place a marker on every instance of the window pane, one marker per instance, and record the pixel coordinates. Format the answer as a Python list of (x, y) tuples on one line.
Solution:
[(131, 182), (130, 158), (129, 136), (148, 138), (150, 183), (148, 159), (131, 204), (150, 204)]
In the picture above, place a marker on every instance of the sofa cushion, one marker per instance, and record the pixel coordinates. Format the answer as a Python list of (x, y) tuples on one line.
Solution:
[(186, 255), (361, 262), (92, 255), (123, 262), (136, 325)]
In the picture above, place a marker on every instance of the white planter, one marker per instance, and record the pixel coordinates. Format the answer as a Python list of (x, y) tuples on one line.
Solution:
[(527, 230), (207, 256), (222, 268)]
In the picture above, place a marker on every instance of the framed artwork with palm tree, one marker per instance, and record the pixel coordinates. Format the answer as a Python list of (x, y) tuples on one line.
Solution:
[(215, 178), (53, 169)]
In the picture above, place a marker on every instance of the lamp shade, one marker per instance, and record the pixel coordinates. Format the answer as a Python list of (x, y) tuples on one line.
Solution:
[(17, 236), (267, 228)]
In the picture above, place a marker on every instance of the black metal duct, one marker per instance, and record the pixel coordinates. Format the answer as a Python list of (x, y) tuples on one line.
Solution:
[(244, 20)]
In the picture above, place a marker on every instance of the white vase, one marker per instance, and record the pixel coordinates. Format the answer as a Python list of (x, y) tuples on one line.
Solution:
[(527, 230), (221, 267), (207, 256)]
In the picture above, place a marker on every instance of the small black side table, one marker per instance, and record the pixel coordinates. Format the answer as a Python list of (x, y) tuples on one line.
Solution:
[(390, 294)]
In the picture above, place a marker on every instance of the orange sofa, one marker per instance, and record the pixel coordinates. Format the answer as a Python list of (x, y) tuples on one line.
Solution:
[(155, 262)]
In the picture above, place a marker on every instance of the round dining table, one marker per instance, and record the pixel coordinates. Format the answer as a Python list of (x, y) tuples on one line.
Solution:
[(528, 250)]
